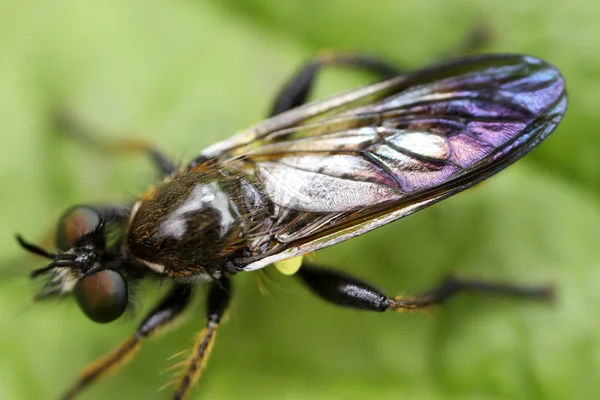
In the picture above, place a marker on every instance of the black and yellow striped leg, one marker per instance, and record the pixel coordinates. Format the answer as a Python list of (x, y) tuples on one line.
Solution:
[(346, 291), (218, 300), (161, 316)]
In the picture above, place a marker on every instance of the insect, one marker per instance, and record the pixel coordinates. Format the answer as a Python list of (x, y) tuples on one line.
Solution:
[(311, 176)]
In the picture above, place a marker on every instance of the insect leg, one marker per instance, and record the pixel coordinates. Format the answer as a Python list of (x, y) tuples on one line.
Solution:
[(298, 88), (347, 291), (219, 296), (479, 35), (162, 315), (75, 129)]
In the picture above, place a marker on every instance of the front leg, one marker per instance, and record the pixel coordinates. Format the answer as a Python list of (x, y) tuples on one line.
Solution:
[(346, 291), (162, 315)]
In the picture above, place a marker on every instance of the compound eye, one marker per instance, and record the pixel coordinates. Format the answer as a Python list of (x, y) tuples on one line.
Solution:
[(102, 296), (75, 223)]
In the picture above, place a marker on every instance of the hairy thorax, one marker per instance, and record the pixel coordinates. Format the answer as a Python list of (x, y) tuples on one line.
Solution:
[(194, 222)]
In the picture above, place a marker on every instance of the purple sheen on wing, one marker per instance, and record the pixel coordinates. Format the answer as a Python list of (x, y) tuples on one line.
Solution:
[(415, 181), (467, 85), (467, 151), (536, 100), (495, 133), (490, 110), (471, 108), (442, 125), (539, 132), (534, 92), (413, 174)]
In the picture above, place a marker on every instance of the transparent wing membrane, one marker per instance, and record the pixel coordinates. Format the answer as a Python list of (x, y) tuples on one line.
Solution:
[(342, 166)]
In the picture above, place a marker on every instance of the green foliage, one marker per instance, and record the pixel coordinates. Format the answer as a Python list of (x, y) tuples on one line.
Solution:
[(185, 74)]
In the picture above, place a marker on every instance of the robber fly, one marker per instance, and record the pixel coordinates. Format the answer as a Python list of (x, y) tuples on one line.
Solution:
[(311, 176)]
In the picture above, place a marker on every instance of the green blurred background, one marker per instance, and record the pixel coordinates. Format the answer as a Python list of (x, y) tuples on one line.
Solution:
[(184, 74)]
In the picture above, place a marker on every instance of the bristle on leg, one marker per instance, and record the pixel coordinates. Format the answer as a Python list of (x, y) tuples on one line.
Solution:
[(197, 361)]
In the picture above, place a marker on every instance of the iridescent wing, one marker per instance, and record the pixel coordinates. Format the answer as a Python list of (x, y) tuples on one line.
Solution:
[(343, 166)]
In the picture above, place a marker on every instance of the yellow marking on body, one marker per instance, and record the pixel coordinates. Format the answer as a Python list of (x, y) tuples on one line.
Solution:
[(289, 266), (149, 194)]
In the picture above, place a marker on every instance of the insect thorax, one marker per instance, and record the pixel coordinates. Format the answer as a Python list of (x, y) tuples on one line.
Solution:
[(194, 222)]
